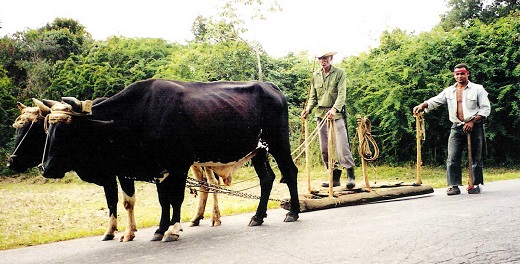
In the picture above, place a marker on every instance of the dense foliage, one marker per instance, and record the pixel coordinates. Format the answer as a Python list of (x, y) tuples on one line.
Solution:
[(383, 83), (405, 70)]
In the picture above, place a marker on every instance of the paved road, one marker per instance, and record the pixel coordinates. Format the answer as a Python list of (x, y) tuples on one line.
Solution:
[(433, 228)]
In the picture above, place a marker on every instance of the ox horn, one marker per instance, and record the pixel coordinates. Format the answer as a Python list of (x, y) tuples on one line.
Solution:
[(43, 108), (21, 106), (77, 105)]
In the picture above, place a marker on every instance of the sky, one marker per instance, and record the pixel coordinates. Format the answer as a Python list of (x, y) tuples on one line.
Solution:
[(345, 26)]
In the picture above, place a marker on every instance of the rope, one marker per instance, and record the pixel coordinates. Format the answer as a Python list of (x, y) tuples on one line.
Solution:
[(419, 118), (366, 141), (22, 120), (23, 138), (312, 136), (191, 182)]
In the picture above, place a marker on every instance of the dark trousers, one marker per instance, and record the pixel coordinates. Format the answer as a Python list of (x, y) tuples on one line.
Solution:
[(457, 142)]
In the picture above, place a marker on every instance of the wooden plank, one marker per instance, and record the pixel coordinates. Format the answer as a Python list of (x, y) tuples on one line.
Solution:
[(361, 196)]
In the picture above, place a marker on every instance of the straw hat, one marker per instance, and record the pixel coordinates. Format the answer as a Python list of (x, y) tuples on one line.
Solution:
[(326, 54)]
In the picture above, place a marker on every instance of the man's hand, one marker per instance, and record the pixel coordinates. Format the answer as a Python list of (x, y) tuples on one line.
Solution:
[(417, 109), (304, 114), (331, 113), (468, 126)]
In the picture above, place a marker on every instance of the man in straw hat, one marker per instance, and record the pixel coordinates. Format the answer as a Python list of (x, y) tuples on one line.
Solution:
[(328, 93)]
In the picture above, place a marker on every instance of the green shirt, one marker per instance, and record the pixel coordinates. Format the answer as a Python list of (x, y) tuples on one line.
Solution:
[(328, 91)]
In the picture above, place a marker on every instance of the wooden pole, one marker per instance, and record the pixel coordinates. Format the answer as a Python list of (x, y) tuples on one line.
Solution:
[(330, 143), (363, 161), (418, 133), (470, 163), (307, 156)]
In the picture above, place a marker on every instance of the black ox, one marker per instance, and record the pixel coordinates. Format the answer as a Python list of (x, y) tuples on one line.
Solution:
[(29, 144), (161, 128)]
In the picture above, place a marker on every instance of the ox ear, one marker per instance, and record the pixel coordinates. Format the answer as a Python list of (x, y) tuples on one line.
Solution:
[(21, 106), (43, 108)]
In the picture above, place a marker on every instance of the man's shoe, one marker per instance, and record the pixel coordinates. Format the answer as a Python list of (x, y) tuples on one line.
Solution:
[(474, 190), (454, 190), (351, 183), (336, 175), (334, 184)]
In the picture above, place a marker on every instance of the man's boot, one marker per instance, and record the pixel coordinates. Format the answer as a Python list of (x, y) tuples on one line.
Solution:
[(350, 178), (336, 174)]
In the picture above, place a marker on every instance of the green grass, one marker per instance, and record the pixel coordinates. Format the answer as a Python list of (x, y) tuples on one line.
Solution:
[(37, 210)]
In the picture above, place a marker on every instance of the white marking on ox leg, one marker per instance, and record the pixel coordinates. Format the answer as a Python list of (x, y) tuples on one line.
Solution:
[(165, 175), (131, 227), (203, 197), (225, 171), (111, 229), (173, 233), (210, 176)]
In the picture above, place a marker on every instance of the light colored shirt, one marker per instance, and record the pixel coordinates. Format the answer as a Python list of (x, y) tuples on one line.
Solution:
[(474, 102), (328, 91)]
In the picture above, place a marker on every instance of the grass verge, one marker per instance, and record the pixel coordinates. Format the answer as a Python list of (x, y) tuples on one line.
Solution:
[(37, 210)]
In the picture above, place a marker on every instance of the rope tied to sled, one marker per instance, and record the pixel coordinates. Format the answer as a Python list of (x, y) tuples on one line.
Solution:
[(368, 148)]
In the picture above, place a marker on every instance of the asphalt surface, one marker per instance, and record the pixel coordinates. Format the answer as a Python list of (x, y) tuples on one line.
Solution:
[(433, 228)]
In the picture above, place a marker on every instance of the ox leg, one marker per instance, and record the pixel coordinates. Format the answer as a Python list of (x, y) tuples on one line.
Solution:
[(282, 154), (112, 199), (266, 175), (171, 193), (203, 196), (210, 176), (176, 200), (129, 202), (290, 174), (163, 192)]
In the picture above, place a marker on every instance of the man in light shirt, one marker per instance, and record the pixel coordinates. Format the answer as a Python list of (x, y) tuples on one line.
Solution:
[(468, 105)]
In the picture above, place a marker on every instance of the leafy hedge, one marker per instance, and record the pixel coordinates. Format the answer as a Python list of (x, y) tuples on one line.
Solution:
[(383, 84)]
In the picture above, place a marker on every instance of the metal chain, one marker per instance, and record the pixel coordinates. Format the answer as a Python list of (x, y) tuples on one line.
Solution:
[(191, 182)]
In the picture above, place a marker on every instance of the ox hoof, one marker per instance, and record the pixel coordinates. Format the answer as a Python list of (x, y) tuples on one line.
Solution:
[(126, 238), (108, 237), (157, 237), (255, 221), (170, 238), (290, 217), (196, 221), (216, 223)]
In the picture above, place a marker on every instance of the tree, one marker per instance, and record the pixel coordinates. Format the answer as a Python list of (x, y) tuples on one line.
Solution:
[(229, 61), (460, 13), (463, 12), (386, 82), (35, 51), (8, 111), (231, 24), (108, 67)]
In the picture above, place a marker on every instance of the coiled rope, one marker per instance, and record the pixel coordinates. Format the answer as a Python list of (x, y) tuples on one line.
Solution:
[(366, 140)]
